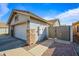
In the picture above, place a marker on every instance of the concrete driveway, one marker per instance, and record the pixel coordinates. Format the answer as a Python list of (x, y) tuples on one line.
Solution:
[(7, 42), (13, 47), (34, 50)]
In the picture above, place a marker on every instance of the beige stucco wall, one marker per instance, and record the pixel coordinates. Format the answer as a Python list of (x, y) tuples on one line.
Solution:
[(56, 24), (21, 28), (22, 18), (34, 24)]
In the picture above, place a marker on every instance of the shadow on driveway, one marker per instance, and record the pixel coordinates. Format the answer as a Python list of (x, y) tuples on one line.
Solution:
[(7, 42)]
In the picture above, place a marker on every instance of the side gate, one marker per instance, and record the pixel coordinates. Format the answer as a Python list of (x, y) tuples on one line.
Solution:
[(61, 32)]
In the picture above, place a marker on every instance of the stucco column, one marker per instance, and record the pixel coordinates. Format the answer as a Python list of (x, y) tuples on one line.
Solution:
[(28, 32), (47, 31)]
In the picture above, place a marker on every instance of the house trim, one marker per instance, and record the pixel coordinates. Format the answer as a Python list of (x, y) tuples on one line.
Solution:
[(26, 13), (20, 23)]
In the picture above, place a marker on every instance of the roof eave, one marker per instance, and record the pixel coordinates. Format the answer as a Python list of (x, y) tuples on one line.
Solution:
[(17, 11)]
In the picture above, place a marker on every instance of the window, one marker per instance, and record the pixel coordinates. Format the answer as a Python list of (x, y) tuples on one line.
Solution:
[(77, 28), (16, 18)]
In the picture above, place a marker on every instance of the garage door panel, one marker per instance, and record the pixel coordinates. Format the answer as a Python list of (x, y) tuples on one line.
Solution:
[(20, 31)]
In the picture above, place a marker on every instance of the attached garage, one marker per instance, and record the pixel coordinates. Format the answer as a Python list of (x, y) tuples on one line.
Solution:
[(20, 31), (27, 26)]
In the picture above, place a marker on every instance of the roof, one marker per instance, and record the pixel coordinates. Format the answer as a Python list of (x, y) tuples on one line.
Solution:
[(3, 25), (53, 21), (75, 23), (25, 13)]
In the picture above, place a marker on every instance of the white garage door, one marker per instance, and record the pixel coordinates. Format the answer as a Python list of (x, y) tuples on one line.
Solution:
[(20, 31)]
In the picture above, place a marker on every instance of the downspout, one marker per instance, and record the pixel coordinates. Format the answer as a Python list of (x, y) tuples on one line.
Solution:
[(71, 34), (28, 32), (9, 30)]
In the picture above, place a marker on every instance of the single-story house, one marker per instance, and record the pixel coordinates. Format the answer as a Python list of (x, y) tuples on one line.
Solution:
[(27, 26), (3, 28), (54, 22), (75, 26)]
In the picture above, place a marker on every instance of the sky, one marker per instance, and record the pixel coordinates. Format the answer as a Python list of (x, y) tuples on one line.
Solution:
[(67, 13)]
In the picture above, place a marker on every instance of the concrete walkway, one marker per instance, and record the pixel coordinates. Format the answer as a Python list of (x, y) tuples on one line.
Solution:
[(17, 52), (41, 48), (38, 50), (46, 48)]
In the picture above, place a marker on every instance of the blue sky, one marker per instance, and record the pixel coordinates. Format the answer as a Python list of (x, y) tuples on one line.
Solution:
[(67, 13)]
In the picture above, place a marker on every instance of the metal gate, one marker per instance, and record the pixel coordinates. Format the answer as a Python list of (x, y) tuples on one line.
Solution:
[(61, 32)]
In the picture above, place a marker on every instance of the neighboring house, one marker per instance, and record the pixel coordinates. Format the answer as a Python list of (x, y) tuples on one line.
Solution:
[(3, 28), (76, 31), (27, 26), (54, 22)]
